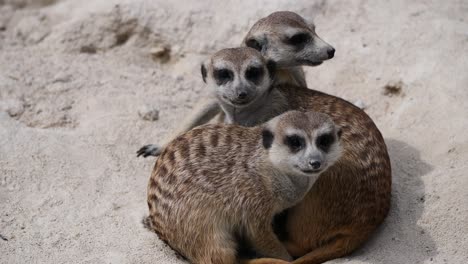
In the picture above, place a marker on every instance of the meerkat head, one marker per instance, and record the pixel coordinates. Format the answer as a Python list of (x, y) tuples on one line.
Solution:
[(289, 40), (238, 75), (302, 143)]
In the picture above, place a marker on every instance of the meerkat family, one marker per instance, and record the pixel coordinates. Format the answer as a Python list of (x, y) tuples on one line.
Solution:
[(352, 197), (283, 37)]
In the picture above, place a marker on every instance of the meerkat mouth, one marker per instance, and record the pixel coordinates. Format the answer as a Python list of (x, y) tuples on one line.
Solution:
[(235, 103), (240, 103), (315, 63), (311, 63), (311, 171)]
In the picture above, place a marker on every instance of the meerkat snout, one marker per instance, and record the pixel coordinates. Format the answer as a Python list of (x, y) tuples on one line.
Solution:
[(238, 75), (289, 40), (315, 164), (331, 53), (302, 143)]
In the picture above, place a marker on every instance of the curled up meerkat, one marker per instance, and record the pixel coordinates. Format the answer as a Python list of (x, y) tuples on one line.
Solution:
[(217, 183), (283, 37), (351, 198)]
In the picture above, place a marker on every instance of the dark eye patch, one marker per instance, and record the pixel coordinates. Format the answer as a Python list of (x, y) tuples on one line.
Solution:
[(267, 138), (325, 141), (254, 74), (294, 142), (298, 39), (223, 76)]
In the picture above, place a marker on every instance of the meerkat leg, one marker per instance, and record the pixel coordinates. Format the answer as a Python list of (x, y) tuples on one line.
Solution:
[(338, 246), (149, 150), (203, 113), (220, 249), (267, 244)]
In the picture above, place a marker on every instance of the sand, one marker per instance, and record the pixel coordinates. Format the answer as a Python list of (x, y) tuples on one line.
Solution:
[(83, 84)]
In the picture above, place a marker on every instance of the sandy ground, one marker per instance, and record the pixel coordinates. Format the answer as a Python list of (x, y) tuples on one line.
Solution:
[(74, 76)]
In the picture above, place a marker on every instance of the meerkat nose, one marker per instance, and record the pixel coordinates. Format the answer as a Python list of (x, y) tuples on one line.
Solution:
[(242, 95), (331, 53), (315, 164)]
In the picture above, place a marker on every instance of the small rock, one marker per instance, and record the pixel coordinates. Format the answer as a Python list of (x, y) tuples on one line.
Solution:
[(66, 107), (57, 87), (89, 49), (393, 88), (422, 199), (148, 113), (62, 77), (360, 104), (161, 53), (6, 13), (12, 106)]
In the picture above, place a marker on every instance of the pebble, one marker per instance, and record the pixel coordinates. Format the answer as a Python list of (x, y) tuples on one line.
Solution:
[(393, 88), (149, 113), (161, 53), (360, 104), (13, 107)]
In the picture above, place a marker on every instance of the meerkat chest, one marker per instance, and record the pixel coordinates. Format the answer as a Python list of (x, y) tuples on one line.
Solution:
[(262, 110), (290, 189)]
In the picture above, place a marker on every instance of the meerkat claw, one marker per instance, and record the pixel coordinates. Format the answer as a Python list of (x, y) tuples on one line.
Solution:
[(149, 150)]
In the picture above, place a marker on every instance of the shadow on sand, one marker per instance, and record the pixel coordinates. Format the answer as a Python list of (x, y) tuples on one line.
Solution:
[(400, 239)]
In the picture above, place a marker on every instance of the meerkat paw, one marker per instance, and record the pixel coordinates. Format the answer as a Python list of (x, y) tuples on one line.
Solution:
[(149, 150)]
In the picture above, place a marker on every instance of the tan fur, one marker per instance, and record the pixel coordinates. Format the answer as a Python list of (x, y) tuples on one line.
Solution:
[(218, 182), (348, 201), (351, 198)]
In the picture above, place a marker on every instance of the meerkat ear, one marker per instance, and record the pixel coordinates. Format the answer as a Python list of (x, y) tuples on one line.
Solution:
[(267, 138), (203, 72), (310, 23), (271, 66), (258, 43), (339, 132), (253, 43)]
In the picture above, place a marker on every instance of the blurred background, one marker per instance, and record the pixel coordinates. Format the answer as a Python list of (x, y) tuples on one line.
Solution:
[(84, 84)]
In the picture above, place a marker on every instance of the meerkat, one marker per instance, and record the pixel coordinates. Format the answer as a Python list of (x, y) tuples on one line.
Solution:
[(283, 37), (352, 197), (291, 42), (217, 182)]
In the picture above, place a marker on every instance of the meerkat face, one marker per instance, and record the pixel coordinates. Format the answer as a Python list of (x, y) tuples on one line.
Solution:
[(238, 75), (289, 40), (303, 144)]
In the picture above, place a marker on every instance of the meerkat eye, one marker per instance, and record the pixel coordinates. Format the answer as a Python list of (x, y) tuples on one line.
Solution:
[(294, 142), (223, 76), (254, 74), (298, 39), (325, 141)]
